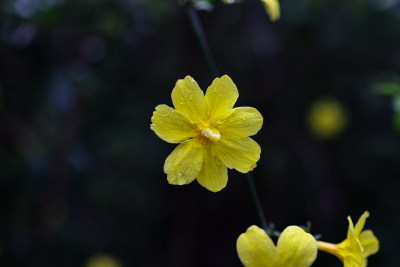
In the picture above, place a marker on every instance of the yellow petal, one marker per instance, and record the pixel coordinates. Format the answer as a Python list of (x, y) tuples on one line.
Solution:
[(170, 125), (350, 262), (364, 262), (369, 242), (221, 96), (361, 222), (184, 163), (241, 154), (189, 100), (350, 230), (255, 248), (296, 248), (350, 252), (273, 9), (213, 174), (244, 121)]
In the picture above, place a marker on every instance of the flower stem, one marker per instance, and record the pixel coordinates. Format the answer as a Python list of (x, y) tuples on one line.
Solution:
[(198, 29), (256, 200)]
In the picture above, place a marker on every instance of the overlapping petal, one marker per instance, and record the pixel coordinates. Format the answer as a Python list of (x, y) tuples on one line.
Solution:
[(296, 248), (241, 154), (189, 100), (213, 174), (244, 121), (369, 242), (220, 97), (360, 223), (256, 249), (350, 252), (184, 163), (170, 125)]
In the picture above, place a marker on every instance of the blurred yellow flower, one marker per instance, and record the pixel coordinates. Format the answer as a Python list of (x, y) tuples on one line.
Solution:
[(295, 248), (212, 134), (273, 9), (327, 118), (103, 261), (354, 250)]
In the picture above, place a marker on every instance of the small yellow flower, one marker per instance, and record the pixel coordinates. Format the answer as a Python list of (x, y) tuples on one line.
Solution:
[(327, 118), (273, 9), (354, 250), (103, 261), (212, 134), (295, 248)]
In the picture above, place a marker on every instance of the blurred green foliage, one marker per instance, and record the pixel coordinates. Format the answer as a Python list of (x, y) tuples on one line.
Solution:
[(81, 172)]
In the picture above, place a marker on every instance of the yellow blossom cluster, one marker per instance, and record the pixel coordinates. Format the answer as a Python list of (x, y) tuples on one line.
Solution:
[(214, 136), (296, 248)]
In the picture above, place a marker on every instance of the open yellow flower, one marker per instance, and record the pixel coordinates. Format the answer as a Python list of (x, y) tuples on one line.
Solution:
[(354, 250), (212, 134), (295, 248), (273, 9)]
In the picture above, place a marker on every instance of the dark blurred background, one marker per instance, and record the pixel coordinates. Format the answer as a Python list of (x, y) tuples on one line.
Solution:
[(81, 173)]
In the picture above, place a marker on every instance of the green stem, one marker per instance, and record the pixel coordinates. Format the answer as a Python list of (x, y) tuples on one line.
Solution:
[(256, 201), (198, 29)]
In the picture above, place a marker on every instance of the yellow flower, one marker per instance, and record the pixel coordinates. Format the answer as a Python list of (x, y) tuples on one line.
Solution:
[(354, 250), (295, 248), (327, 118), (103, 261), (212, 134), (273, 9)]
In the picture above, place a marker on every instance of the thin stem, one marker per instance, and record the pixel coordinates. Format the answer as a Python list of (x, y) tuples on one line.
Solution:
[(198, 29), (256, 201)]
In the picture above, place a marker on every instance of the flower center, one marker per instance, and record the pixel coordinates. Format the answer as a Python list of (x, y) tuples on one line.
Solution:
[(211, 133)]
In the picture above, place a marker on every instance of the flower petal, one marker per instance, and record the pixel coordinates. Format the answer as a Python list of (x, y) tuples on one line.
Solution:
[(189, 100), (369, 242), (296, 248), (273, 9), (360, 223), (241, 154), (350, 230), (221, 96), (170, 125), (364, 262), (350, 252), (184, 163), (213, 174), (244, 121), (255, 248), (352, 261)]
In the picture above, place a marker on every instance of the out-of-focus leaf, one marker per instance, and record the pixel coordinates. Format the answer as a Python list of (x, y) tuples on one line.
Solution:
[(388, 88), (396, 122)]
